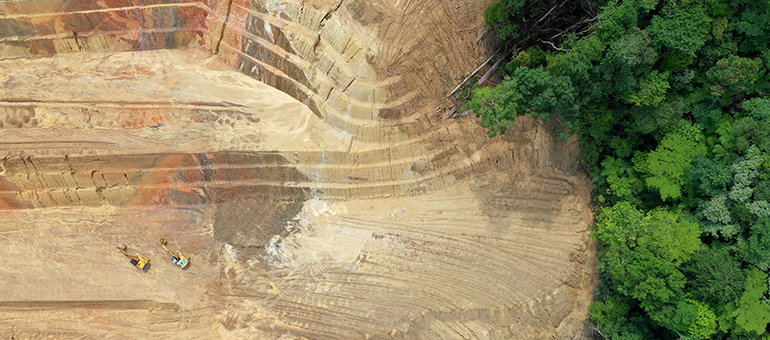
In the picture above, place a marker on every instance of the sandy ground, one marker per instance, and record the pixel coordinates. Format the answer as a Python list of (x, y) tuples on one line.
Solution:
[(293, 232), (113, 97), (305, 168)]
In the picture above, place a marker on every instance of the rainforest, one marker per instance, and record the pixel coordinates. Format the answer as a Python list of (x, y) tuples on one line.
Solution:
[(671, 101)]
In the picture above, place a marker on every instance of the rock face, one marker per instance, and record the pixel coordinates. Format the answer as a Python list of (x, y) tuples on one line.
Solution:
[(295, 150)]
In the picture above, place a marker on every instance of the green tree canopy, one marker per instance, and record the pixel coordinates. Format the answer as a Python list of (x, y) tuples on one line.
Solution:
[(633, 50), (712, 176), (498, 15), (758, 248), (751, 132), (752, 316), (735, 74), (526, 91), (644, 252), (716, 274), (758, 108), (666, 164), (694, 319), (681, 27), (753, 26), (622, 179), (671, 101), (652, 89), (716, 219), (619, 16)]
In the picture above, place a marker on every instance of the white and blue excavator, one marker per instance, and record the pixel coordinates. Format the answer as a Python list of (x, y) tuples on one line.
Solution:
[(178, 258)]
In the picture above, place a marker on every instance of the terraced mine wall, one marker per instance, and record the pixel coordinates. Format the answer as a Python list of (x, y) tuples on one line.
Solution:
[(353, 64), (297, 152), (35, 28)]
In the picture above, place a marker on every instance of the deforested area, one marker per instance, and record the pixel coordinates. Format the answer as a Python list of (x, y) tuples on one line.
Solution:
[(235, 169)]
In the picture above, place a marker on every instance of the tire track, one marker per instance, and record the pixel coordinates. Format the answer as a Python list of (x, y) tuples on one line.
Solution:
[(431, 269)]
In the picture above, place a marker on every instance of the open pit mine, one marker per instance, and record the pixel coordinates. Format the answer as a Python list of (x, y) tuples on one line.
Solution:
[(275, 169)]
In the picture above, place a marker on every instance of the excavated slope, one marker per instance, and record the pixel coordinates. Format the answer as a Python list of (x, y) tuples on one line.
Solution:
[(296, 152)]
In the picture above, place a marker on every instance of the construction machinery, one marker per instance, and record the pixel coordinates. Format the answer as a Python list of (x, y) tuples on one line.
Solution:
[(138, 260), (178, 258)]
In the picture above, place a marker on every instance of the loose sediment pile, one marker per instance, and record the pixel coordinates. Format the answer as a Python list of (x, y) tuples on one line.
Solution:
[(293, 150)]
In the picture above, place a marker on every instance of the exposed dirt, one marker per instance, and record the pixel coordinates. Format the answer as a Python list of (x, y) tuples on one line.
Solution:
[(335, 203)]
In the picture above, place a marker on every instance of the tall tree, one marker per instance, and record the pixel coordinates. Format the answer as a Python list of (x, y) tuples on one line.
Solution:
[(758, 248), (716, 274), (666, 164), (644, 252), (682, 27), (734, 75), (526, 91), (752, 316), (694, 319)]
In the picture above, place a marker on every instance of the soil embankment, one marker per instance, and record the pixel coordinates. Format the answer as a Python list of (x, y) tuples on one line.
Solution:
[(295, 151)]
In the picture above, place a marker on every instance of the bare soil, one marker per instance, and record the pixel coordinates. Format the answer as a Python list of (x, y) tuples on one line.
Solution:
[(305, 215)]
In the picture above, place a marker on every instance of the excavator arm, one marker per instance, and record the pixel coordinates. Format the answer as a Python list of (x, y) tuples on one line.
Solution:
[(178, 258), (163, 243)]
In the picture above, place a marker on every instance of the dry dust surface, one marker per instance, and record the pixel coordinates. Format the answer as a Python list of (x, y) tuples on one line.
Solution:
[(295, 229)]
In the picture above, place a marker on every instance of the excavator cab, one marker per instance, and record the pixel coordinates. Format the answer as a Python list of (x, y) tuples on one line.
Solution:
[(137, 260), (178, 258)]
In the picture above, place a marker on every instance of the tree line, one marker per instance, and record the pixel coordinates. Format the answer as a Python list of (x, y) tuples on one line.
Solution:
[(671, 101)]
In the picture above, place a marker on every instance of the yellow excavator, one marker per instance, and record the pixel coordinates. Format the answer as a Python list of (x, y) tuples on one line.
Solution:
[(178, 258), (138, 260)]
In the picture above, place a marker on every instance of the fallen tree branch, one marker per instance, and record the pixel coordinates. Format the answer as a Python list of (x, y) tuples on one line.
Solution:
[(503, 58), (452, 111), (554, 46), (493, 68), (463, 114), (549, 12), (470, 76), (567, 31), (479, 40)]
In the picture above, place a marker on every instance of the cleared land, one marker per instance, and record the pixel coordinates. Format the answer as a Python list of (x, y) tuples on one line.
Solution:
[(341, 206)]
